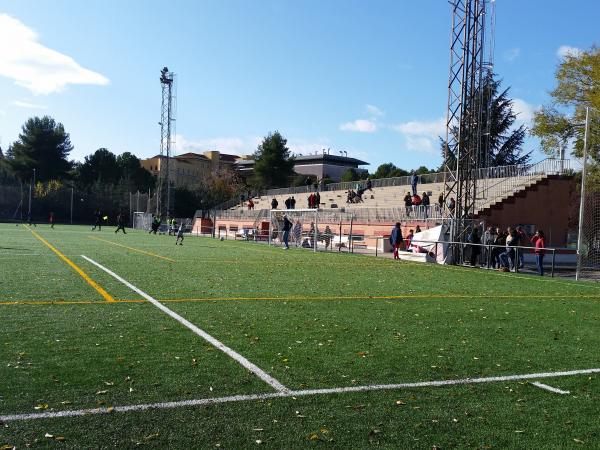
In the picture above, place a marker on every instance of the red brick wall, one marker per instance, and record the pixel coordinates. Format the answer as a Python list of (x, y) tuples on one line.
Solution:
[(546, 205)]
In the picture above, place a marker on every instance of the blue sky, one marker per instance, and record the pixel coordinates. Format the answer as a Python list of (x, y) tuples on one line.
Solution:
[(367, 77)]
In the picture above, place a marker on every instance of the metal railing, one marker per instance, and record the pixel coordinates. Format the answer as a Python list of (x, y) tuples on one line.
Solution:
[(549, 166)]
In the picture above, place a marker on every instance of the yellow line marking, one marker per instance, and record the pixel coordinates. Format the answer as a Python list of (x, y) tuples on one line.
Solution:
[(132, 249), (75, 267), (300, 298)]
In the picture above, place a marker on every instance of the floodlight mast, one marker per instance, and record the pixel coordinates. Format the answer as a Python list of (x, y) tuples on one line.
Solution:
[(466, 117), (164, 205)]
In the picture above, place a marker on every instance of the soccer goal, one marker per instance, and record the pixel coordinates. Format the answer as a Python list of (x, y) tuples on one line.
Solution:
[(312, 229), (142, 220)]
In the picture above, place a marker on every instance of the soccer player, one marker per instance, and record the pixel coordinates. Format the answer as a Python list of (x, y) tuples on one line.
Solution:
[(120, 223), (51, 219), (287, 226), (179, 235), (97, 220)]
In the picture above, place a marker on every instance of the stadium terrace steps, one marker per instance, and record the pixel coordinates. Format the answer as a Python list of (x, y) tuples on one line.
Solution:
[(491, 192)]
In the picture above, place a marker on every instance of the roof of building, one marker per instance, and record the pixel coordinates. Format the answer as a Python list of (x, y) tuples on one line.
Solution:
[(228, 157)]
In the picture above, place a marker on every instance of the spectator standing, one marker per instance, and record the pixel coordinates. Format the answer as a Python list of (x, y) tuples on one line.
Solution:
[(408, 203), (250, 205), (311, 200), (274, 203), (539, 241), (414, 180), (499, 242), (293, 203), (508, 256), (396, 239), (287, 226), (369, 185), (441, 202), (317, 200), (523, 240), (475, 249), (417, 229), (451, 205), (425, 202), (288, 203)]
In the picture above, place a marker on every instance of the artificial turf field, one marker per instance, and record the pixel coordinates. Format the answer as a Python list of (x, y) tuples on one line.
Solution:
[(73, 337)]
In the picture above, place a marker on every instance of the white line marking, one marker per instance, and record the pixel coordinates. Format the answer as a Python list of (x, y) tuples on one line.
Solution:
[(550, 388), (287, 394), (203, 334)]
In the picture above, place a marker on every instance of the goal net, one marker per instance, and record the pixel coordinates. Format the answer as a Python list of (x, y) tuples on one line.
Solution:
[(312, 229), (588, 242), (142, 220)]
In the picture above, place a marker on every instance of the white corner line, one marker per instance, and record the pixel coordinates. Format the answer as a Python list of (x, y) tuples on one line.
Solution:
[(550, 388), (203, 334), (287, 394)]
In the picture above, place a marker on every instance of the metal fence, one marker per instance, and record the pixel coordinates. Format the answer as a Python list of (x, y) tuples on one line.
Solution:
[(69, 204)]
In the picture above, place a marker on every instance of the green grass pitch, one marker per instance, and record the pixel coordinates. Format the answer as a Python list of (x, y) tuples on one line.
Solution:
[(311, 321)]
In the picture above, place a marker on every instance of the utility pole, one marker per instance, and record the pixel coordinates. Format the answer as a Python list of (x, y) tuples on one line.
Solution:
[(167, 131)]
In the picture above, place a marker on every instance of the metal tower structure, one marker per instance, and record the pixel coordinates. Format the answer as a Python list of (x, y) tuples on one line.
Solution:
[(466, 113), (164, 201)]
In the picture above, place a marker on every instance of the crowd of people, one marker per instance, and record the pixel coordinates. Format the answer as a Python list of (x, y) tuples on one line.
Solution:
[(504, 247)]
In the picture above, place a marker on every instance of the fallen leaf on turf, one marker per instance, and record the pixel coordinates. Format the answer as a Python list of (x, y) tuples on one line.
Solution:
[(519, 431), (579, 441), (101, 392), (59, 438), (110, 409), (400, 403), (313, 437), (362, 354), (7, 447), (258, 441), (66, 402), (41, 406), (109, 383), (258, 429), (48, 435), (151, 436)]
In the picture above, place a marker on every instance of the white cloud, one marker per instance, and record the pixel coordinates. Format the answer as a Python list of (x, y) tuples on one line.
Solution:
[(35, 67), (565, 50), (374, 111), (512, 54), (2, 112), (433, 128), (523, 110), (29, 105), (360, 126), (422, 136), (222, 144)]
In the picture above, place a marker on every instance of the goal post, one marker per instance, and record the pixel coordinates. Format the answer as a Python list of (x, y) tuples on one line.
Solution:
[(312, 228)]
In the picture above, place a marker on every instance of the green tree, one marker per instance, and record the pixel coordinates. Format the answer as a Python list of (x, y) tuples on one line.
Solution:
[(273, 163), (132, 174), (350, 175), (99, 167), (559, 124), (43, 145), (503, 145), (389, 170)]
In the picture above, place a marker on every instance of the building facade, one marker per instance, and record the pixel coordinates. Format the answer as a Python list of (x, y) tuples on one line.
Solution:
[(190, 169)]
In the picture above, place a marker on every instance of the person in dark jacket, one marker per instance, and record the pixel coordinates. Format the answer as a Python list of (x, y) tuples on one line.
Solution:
[(475, 249), (120, 223), (97, 220), (396, 239), (287, 226), (274, 203)]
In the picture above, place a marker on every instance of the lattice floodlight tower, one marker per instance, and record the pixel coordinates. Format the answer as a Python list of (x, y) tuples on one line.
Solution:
[(164, 200), (465, 118)]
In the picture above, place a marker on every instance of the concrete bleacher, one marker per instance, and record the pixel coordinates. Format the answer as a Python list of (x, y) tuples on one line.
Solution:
[(490, 192)]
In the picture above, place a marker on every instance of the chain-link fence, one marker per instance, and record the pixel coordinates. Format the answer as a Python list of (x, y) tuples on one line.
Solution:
[(588, 260), (21, 203)]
